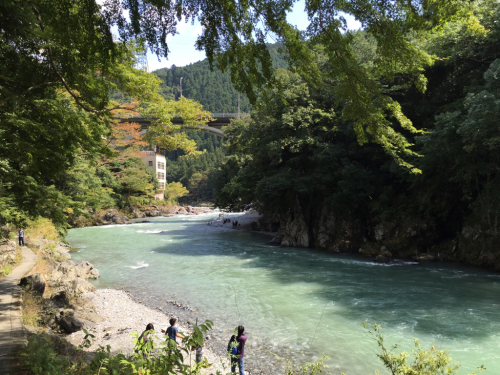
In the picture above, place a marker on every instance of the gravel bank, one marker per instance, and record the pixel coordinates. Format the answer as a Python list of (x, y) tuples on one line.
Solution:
[(123, 316)]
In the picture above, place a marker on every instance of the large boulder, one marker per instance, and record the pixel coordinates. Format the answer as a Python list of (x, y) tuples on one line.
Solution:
[(70, 322), (35, 282), (88, 315), (86, 270), (7, 253), (80, 286), (63, 273), (59, 296), (64, 292), (181, 211)]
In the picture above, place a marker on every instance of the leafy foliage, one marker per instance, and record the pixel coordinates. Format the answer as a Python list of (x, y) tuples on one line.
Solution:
[(298, 152), (41, 356), (430, 361), (197, 174)]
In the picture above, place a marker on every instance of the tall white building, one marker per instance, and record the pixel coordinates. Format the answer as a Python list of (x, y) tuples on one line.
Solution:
[(157, 162)]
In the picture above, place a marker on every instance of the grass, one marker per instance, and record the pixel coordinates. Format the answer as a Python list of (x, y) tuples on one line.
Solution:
[(32, 307), (41, 266), (5, 270)]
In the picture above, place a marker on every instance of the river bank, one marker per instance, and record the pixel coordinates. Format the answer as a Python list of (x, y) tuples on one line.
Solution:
[(122, 316), (116, 216), (60, 302)]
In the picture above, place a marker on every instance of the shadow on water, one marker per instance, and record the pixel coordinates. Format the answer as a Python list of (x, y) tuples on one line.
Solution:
[(433, 298)]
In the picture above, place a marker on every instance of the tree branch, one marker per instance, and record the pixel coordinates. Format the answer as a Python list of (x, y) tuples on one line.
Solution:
[(77, 98), (26, 91)]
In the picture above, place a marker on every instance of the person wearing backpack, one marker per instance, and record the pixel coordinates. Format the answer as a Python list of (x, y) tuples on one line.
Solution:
[(238, 343), (232, 352)]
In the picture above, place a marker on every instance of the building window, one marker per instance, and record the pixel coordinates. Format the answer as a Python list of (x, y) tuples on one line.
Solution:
[(150, 163), (162, 185), (161, 165), (161, 176)]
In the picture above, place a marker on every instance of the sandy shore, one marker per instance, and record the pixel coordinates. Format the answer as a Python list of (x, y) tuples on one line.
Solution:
[(123, 316)]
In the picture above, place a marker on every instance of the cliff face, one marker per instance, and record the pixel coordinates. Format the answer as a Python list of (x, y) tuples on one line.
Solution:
[(403, 238)]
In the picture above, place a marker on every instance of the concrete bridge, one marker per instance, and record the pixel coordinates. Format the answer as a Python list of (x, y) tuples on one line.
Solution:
[(213, 127)]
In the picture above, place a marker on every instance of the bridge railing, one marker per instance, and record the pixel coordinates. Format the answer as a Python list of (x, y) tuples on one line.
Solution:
[(215, 114)]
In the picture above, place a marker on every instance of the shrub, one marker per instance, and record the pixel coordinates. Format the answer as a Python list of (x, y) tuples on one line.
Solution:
[(174, 191), (306, 368), (420, 362), (41, 357), (41, 228)]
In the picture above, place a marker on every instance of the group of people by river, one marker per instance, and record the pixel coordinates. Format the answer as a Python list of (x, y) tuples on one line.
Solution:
[(235, 347)]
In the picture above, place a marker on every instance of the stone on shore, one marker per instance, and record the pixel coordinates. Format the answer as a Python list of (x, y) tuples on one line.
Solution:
[(70, 322), (7, 253), (86, 270), (35, 282)]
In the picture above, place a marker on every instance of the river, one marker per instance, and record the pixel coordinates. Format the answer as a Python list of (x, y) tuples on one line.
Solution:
[(299, 303)]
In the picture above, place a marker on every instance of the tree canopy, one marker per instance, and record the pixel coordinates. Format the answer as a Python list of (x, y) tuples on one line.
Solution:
[(71, 44)]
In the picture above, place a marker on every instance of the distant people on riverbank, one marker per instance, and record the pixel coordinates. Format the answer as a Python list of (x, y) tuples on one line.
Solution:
[(20, 234), (241, 339), (145, 337)]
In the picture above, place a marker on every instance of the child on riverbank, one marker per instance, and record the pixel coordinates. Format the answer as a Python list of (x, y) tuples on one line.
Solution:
[(144, 339), (173, 331), (199, 352)]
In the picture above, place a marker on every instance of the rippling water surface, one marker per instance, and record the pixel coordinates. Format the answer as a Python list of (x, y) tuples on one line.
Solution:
[(301, 302)]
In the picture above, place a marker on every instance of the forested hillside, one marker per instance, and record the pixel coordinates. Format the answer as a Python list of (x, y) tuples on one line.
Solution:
[(213, 89), (299, 160), (197, 174)]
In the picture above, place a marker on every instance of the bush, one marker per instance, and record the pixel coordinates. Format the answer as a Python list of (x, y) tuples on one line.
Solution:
[(41, 228), (420, 362), (174, 191), (41, 357)]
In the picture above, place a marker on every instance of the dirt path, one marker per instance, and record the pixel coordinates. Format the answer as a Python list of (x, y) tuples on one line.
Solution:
[(11, 326)]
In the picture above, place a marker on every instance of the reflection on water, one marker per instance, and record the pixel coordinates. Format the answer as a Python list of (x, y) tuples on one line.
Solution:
[(301, 300)]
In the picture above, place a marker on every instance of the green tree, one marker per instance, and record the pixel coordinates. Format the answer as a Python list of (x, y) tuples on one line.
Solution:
[(174, 191)]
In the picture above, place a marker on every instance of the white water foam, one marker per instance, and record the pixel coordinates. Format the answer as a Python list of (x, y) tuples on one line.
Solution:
[(139, 266)]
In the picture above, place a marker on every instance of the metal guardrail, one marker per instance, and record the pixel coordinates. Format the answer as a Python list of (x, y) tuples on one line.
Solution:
[(215, 114)]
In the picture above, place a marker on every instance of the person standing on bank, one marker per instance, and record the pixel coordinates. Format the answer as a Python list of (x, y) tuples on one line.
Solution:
[(241, 339), (173, 331), (20, 234)]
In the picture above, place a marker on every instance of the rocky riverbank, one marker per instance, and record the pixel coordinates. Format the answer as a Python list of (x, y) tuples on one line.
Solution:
[(10, 256), (69, 303), (122, 316), (114, 216)]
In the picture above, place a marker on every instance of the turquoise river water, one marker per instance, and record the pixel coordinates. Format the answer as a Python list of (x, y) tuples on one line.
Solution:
[(300, 303)]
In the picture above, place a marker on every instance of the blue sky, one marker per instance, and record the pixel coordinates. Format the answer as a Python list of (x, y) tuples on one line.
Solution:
[(183, 52)]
